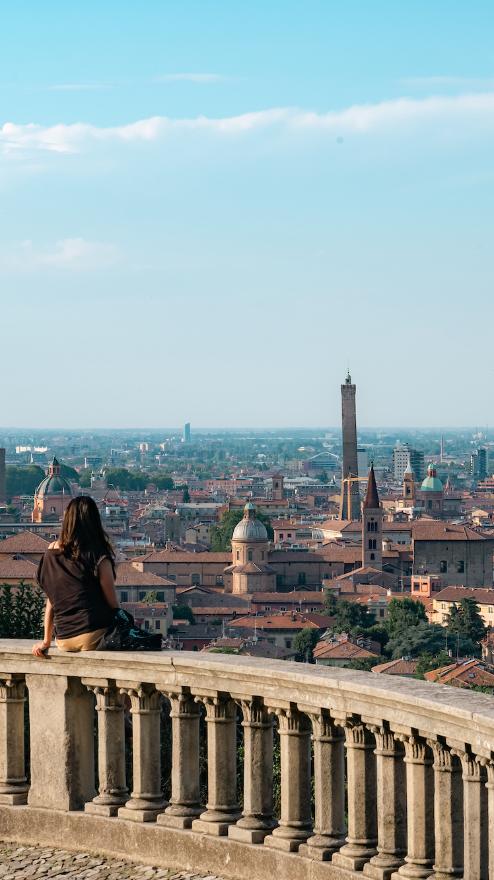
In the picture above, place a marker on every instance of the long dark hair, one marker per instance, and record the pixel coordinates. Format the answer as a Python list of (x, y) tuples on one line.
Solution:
[(83, 538)]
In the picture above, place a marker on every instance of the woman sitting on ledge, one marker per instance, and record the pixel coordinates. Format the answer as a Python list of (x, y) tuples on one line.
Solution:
[(77, 573)]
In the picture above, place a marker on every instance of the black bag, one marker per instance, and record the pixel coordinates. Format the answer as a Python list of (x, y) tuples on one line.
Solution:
[(124, 635)]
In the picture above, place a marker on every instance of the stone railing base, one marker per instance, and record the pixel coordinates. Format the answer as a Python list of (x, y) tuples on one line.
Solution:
[(159, 845)]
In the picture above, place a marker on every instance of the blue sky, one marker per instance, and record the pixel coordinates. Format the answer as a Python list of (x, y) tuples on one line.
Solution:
[(210, 209)]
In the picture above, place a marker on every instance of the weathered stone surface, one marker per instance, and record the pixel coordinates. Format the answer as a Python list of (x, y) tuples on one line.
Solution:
[(22, 862)]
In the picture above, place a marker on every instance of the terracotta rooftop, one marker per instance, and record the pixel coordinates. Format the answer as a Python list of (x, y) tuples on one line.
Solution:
[(295, 621), (341, 650), (397, 667), (465, 673), (456, 594), (129, 575), (433, 530), (23, 543), (179, 556), (18, 569)]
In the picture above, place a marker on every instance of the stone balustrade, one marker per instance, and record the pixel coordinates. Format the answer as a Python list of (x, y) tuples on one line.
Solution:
[(378, 777)]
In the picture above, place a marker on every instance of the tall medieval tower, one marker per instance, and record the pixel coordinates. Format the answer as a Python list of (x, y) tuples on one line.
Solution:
[(372, 525), (350, 496)]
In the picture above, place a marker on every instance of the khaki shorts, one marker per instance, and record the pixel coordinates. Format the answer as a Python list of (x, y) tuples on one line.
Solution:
[(84, 642)]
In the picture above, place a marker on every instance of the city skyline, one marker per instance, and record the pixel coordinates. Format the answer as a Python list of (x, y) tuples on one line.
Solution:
[(301, 188)]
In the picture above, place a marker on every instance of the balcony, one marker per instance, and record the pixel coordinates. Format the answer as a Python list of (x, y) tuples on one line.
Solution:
[(377, 778)]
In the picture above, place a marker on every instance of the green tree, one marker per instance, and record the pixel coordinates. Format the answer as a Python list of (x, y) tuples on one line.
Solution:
[(85, 478), (423, 638), (22, 480), (351, 616), (466, 621), (183, 612), (126, 480), (403, 614), (427, 662), (365, 664), (304, 643), (186, 496), (221, 535), (21, 611), (330, 603)]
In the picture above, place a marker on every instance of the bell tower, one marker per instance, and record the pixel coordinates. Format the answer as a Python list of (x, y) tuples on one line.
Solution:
[(372, 525)]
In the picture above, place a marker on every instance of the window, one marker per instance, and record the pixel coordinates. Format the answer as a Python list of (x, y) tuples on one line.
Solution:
[(381, 612), (219, 580), (443, 566), (283, 608), (288, 643), (301, 578), (124, 596), (172, 577), (372, 544), (146, 624), (195, 579), (157, 624), (281, 536), (263, 555), (160, 596), (373, 556), (289, 535), (142, 595), (238, 554), (460, 566), (372, 526), (249, 555), (490, 609)]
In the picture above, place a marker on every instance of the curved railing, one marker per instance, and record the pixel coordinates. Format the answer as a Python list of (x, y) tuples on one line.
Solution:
[(389, 777)]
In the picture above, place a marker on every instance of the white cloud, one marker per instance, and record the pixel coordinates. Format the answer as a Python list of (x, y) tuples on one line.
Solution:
[(67, 253), (390, 117)]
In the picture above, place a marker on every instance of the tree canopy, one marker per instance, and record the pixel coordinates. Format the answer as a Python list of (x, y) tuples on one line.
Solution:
[(304, 643), (403, 614), (221, 535), (22, 479), (351, 616), (136, 481), (466, 621), (421, 638)]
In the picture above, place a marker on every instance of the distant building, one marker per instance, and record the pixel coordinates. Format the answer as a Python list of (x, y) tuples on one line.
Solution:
[(186, 433), (372, 525), (405, 456), (362, 461), (478, 465), (459, 555), (443, 602)]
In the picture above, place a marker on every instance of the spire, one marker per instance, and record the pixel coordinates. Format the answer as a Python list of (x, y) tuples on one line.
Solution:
[(409, 468), (372, 496)]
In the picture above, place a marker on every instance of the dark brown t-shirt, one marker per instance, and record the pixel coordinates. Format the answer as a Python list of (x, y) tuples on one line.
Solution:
[(79, 605)]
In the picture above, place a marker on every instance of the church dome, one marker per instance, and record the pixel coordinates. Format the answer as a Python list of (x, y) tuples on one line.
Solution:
[(432, 483), (250, 530), (54, 483)]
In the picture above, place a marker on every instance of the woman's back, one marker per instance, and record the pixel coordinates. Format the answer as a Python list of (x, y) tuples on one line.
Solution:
[(75, 593)]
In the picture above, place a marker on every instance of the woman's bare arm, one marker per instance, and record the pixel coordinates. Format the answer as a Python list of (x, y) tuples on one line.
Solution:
[(40, 648), (107, 581)]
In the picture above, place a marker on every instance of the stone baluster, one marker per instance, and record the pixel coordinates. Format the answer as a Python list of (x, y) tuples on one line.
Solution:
[(295, 750), (13, 786), (329, 787), (221, 809), (490, 811), (361, 840), (448, 813), (184, 802), (257, 815), (391, 806), (420, 808), (113, 791), (61, 728), (146, 799), (475, 853)]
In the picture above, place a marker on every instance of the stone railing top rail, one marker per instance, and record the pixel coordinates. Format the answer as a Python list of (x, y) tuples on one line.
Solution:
[(431, 710)]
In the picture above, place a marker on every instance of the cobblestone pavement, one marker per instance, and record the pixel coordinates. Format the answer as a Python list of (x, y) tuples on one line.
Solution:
[(26, 862)]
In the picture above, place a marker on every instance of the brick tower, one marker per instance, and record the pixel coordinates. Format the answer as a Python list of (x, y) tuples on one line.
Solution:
[(372, 525), (350, 496)]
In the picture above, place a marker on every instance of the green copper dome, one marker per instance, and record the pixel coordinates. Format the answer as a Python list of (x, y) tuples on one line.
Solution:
[(432, 483), (54, 485)]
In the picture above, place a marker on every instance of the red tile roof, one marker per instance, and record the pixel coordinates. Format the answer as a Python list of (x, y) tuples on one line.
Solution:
[(23, 543)]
